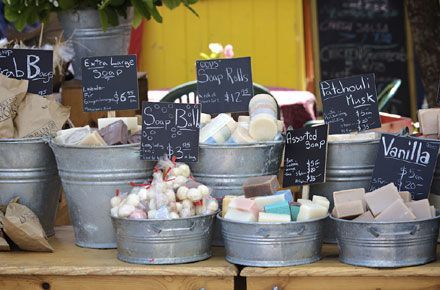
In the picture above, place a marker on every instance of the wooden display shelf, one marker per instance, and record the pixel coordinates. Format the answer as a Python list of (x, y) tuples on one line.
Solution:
[(330, 274), (72, 267)]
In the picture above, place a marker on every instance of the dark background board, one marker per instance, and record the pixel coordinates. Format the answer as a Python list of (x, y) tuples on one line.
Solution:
[(408, 171), (363, 36), (350, 104), (172, 129), (35, 65), (305, 156), (109, 83), (224, 85)]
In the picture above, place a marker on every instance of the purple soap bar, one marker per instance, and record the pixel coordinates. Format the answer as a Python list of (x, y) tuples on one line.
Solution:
[(115, 134), (260, 185), (135, 138)]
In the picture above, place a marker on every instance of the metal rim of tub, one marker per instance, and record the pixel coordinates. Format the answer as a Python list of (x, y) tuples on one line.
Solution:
[(94, 147), (24, 140), (315, 242), (244, 145), (205, 235), (427, 240)]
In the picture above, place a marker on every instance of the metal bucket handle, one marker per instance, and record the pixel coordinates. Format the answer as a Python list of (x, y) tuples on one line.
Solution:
[(157, 229), (376, 233), (264, 232)]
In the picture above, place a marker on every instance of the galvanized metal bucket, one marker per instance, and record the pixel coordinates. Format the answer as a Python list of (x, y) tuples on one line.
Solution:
[(90, 177), (435, 186), (350, 165), (272, 244), (28, 170), (387, 244), (173, 241), (83, 28), (225, 167)]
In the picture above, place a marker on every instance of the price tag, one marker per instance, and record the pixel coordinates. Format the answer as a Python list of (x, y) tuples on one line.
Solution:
[(350, 104), (407, 162), (224, 85), (110, 83), (171, 129), (34, 65), (305, 156)]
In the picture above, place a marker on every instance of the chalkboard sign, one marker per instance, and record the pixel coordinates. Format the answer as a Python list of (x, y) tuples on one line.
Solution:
[(350, 104), (407, 162), (305, 156), (34, 65), (363, 36), (224, 85), (110, 83), (171, 129)]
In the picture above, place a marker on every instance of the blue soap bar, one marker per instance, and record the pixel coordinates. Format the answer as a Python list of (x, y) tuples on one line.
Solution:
[(294, 211), (287, 194), (279, 207)]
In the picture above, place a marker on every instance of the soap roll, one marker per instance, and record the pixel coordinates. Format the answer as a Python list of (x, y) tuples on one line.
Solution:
[(204, 119), (263, 127), (263, 99), (218, 130), (240, 136)]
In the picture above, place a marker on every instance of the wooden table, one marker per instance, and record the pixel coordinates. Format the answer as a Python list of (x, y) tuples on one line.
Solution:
[(330, 274), (72, 267)]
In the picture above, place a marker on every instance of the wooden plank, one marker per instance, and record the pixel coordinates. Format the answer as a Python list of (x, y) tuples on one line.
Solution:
[(115, 282), (71, 260), (330, 266), (338, 283)]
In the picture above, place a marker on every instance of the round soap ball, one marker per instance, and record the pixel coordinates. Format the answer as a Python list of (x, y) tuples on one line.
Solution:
[(115, 201), (125, 210), (182, 193), (194, 194), (174, 215), (132, 199), (203, 189), (185, 170)]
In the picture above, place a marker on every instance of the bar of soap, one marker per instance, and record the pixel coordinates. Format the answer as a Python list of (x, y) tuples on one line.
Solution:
[(244, 204), (260, 185), (428, 120), (365, 217), (420, 208), (343, 196), (131, 122), (405, 195), (205, 119), (243, 119), (396, 212), (279, 207), (219, 130), (93, 139), (304, 201), (321, 200), (135, 138), (263, 127), (72, 136), (294, 212), (311, 211), (115, 133), (240, 136), (266, 217), (225, 203), (349, 209), (262, 201), (286, 193), (240, 216), (381, 198)]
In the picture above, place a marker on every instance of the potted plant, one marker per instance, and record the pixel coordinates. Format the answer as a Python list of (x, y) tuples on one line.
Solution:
[(94, 27)]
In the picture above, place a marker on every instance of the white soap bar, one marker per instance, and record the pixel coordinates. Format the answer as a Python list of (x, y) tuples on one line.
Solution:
[(93, 139), (72, 136), (205, 118), (321, 200), (244, 119), (263, 127), (131, 122), (218, 130), (381, 198), (420, 208), (262, 201), (343, 196), (240, 216), (240, 136), (304, 201), (311, 211), (428, 120), (265, 217)]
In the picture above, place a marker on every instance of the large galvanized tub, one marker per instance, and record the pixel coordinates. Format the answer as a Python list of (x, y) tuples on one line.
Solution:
[(225, 167), (28, 170), (90, 177), (435, 186), (272, 244), (350, 165), (173, 241), (387, 244)]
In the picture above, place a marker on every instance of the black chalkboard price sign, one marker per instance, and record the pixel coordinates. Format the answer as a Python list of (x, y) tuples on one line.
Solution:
[(350, 104), (224, 85), (110, 83), (171, 129), (34, 65), (407, 162), (305, 156)]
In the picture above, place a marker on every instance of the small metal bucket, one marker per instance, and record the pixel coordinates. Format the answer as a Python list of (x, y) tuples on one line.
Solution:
[(225, 167), (387, 244), (28, 170), (173, 241), (272, 244), (90, 177), (350, 165)]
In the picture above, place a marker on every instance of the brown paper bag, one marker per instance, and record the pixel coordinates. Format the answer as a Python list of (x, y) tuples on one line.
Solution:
[(39, 116), (4, 246), (12, 93), (23, 227)]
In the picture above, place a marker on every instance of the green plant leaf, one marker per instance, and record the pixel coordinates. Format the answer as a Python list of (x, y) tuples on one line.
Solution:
[(153, 10), (137, 19), (171, 4), (387, 94), (140, 6), (67, 4), (116, 3), (103, 18), (112, 16), (191, 9)]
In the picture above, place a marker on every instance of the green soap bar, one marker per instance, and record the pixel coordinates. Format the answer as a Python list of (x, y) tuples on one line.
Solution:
[(294, 211), (281, 207)]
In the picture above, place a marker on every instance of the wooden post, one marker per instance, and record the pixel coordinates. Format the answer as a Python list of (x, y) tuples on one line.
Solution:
[(111, 114)]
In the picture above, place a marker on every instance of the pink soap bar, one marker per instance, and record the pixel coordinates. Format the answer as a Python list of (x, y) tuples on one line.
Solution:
[(365, 217), (382, 198), (349, 209), (428, 119), (420, 208), (260, 185), (396, 212), (343, 196), (245, 204)]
